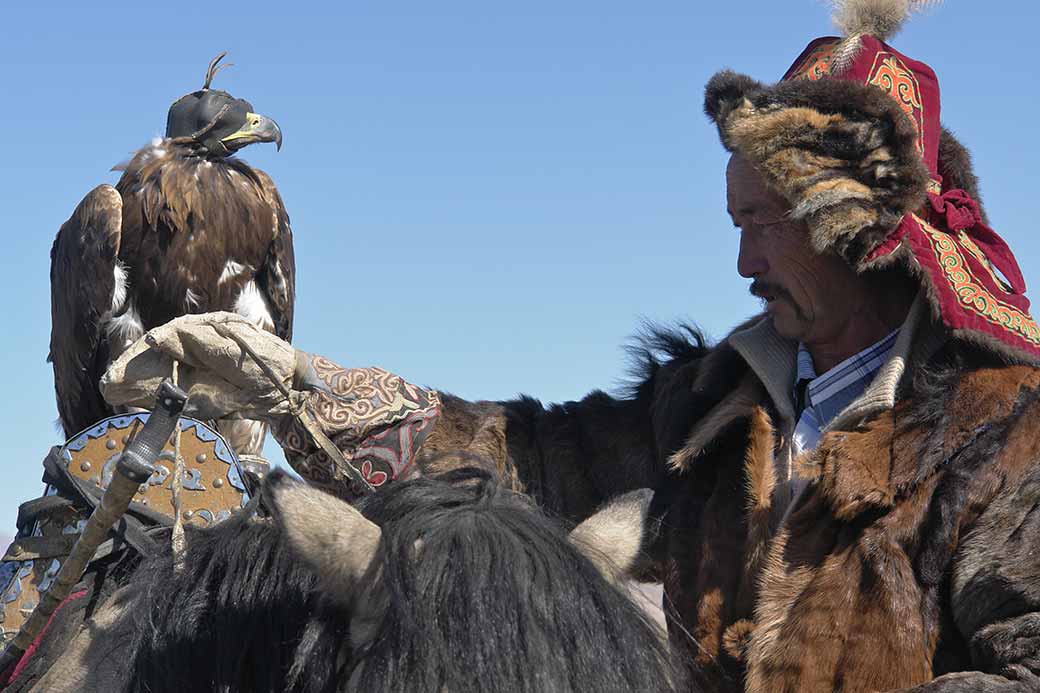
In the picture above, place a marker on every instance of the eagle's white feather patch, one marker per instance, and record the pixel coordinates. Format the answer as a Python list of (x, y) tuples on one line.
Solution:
[(245, 436), (252, 305), (123, 330), (122, 283), (191, 299), (231, 270)]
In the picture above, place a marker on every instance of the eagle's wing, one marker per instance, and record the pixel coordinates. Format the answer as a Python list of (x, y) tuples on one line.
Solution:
[(276, 277), (84, 293)]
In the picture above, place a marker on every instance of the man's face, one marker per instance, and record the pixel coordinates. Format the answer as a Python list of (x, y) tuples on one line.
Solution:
[(807, 295)]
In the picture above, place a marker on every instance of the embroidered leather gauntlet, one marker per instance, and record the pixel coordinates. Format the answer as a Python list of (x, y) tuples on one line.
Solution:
[(231, 368), (376, 419)]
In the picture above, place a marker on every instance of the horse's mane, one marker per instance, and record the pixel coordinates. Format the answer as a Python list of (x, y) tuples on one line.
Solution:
[(500, 600), (507, 602), (241, 614)]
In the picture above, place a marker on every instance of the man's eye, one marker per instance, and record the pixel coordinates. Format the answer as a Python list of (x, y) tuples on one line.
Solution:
[(773, 225)]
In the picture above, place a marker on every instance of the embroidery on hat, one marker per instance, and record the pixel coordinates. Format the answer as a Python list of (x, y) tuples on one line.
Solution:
[(970, 246), (898, 81), (816, 65), (972, 295)]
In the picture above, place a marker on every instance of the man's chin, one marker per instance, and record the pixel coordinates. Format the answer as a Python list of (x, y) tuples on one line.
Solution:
[(785, 323)]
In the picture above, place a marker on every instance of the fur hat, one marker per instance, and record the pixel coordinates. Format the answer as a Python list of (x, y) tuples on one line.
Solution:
[(851, 138)]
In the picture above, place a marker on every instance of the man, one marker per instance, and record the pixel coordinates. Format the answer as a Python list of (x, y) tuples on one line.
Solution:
[(849, 484)]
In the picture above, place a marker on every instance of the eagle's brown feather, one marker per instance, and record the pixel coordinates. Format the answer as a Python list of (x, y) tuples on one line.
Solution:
[(194, 234), (83, 285), (186, 218)]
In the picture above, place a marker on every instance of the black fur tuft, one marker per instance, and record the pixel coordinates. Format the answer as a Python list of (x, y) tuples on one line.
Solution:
[(656, 345), (724, 92), (242, 615), (505, 602)]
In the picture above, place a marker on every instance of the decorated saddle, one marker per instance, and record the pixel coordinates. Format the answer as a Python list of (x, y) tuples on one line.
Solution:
[(76, 474)]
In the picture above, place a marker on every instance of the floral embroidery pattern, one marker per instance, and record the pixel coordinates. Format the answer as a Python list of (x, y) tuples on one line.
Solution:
[(971, 294), (816, 65), (377, 478), (376, 419), (970, 246), (897, 80)]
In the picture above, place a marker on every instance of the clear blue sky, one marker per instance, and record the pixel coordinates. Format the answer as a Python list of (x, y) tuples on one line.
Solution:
[(486, 197)]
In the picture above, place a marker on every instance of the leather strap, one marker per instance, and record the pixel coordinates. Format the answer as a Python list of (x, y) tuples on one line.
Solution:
[(130, 528)]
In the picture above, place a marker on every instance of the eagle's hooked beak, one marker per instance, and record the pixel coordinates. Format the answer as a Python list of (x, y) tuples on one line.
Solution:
[(257, 128)]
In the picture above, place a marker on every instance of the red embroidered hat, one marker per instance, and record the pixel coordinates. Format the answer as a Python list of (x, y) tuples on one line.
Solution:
[(851, 137)]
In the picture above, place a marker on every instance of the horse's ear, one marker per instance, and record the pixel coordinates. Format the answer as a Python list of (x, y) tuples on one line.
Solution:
[(612, 537), (328, 534)]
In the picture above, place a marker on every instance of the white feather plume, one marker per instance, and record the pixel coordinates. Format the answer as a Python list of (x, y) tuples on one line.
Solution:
[(881, 19)]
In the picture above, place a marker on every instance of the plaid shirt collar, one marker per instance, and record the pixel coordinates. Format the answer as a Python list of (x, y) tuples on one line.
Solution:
[(822, 397)]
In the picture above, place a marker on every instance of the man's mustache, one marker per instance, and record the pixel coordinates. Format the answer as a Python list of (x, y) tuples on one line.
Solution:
[(766, 290)]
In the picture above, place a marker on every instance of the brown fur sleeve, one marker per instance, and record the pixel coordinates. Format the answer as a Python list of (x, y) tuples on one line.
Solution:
[(995, 595), (574, 456), (996, 590), (571, 457)]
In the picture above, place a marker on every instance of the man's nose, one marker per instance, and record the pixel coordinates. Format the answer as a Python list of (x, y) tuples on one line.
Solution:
[(751, 261)]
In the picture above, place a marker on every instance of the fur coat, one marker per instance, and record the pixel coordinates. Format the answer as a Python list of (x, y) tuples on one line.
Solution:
[(909, 560)]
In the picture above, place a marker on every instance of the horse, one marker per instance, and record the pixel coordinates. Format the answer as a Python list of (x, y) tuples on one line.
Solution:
[(447, 583)]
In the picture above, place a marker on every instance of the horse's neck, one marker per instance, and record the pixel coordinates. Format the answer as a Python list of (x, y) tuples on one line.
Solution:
[(92, 661)]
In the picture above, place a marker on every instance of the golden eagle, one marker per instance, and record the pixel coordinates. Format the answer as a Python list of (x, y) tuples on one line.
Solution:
[(189, 228)]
